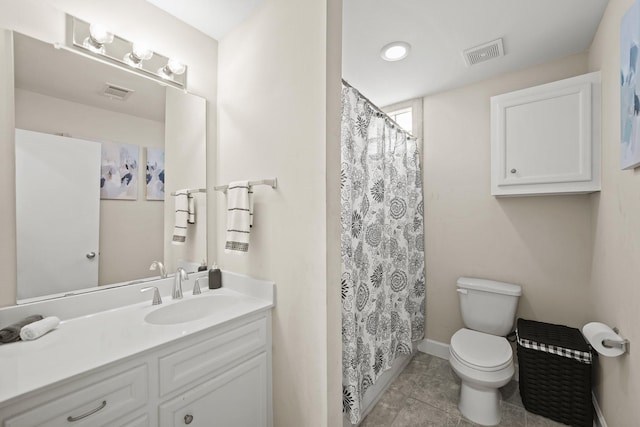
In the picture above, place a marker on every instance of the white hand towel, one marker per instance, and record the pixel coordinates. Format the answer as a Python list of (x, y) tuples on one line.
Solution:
[(182, 215), (191, 202), (239, 217), (37, 329)]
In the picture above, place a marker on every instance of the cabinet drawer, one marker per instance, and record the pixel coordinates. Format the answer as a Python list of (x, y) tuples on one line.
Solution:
[(135, 421), (213, 354), (94, 405), (236, 398)]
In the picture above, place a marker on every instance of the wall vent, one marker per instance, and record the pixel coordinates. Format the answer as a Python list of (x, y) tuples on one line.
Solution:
[(116, 92), (483, 52)]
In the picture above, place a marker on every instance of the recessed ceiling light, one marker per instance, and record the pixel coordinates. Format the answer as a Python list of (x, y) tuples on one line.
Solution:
[(395, 51)]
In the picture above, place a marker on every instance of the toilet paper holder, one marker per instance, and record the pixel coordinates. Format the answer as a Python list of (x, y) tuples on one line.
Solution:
[(623, 343)]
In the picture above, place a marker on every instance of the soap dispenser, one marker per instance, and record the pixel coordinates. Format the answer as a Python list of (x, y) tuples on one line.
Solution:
[(215, 277)]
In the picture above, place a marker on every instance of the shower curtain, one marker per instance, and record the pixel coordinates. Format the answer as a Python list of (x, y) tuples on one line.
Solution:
[(382, 244)]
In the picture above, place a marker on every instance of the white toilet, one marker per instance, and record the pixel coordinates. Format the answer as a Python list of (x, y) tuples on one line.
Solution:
[(479, 354)]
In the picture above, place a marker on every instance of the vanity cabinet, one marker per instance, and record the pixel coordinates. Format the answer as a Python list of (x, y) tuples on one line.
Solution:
[(546, 139), (217, 377)]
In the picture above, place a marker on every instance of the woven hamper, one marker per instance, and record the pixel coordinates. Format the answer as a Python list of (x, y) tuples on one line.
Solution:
[(555, 372)]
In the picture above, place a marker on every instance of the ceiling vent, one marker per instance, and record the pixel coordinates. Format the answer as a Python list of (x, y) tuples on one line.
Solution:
[(116, 92), (483, 52)]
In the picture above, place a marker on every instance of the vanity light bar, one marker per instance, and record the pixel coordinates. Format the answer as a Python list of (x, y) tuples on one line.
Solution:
[(81, 36)]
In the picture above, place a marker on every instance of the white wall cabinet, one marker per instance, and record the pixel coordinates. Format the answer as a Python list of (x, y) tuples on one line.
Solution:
[(546, 139), (219, 377)]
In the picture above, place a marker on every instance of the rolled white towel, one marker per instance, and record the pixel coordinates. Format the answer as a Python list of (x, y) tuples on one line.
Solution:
[(37, 329)]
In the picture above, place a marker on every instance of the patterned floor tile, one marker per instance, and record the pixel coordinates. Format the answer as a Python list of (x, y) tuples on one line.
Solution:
[(534, 420), (386, 410), (426, 393), (511, 394), (419, 414), (512, 416)]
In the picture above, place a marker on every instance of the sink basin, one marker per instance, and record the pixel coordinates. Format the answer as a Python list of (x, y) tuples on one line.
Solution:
[(192, 309)]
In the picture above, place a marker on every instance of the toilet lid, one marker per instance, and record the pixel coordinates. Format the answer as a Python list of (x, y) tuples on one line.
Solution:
[(481, 351)]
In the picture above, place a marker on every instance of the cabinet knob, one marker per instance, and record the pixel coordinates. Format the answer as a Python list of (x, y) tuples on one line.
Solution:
[(188, 418), (513, 171)]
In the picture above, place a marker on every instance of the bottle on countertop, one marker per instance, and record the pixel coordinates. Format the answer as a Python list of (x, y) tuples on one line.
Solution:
[(203, 266), (215, 277)]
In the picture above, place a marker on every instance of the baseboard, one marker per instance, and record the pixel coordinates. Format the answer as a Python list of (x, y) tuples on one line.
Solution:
[(598, 420), (434, 348)]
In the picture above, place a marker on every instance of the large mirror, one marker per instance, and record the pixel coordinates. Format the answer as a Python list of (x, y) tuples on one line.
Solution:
[(99, 157)]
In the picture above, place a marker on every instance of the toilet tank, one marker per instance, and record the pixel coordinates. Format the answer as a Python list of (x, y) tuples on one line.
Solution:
[(488, 306)]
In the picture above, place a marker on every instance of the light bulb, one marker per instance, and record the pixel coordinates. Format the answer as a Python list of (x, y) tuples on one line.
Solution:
[(138, 54), (141, 52), (172, 68), (99, 34), (98, 37), (176, 67)]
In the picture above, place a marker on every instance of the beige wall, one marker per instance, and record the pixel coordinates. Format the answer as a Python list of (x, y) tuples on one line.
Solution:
[(541, 243), (615, 272), (131, 231), (186, 168), (132, 19), (7, 172), (273, 114)]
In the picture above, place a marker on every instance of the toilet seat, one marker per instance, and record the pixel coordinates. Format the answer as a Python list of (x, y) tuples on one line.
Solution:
[(480, 351)]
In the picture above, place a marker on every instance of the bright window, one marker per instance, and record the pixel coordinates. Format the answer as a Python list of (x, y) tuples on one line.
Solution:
[(404, 118)]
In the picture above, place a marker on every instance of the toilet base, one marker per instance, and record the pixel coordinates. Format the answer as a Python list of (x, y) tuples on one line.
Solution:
[(480, 405)]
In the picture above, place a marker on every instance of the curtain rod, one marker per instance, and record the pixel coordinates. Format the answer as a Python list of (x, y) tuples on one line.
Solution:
[(378, 109)]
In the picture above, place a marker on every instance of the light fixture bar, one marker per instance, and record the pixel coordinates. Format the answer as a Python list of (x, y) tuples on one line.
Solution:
[(126, 54)]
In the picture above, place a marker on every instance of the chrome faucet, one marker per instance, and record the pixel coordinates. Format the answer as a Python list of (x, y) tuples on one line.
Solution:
[(157, 264), (181, 274)]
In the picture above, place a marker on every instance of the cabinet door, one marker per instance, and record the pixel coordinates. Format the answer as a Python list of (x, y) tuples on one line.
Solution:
[(543, 139), (236, 398)]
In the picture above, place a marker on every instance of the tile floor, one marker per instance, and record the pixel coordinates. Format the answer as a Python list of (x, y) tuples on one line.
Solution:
[(426, 393)]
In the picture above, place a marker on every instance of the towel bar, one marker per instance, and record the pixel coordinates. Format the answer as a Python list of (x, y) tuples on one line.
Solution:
[(195, 190), (273, 182)]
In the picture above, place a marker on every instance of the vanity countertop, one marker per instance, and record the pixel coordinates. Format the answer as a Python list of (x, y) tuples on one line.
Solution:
[(94, 340)]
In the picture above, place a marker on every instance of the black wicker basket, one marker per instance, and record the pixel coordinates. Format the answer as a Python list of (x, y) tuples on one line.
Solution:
[(555, 372)]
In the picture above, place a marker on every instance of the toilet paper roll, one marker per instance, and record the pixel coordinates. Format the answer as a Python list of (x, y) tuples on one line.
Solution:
[(596, 332)]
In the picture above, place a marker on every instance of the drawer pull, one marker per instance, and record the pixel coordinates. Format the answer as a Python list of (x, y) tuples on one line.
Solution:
[(93, 411), (188, 418)]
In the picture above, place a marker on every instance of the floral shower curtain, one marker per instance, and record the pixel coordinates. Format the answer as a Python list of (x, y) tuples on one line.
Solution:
[(383, 282)]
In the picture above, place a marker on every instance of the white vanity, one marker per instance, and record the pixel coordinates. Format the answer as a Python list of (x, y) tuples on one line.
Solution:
[(105, 365)]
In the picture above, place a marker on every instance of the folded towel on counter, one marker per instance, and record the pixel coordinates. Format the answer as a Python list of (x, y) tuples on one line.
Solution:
[(239, 217), (12, 332), (191, 209), (37, 329), (182, 216)]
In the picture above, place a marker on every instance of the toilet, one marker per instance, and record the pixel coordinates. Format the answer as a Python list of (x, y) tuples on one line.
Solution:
[(479, 353)]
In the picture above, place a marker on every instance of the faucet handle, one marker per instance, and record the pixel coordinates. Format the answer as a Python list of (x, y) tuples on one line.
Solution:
[(158, 265), (157, 300), (196, 287)]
